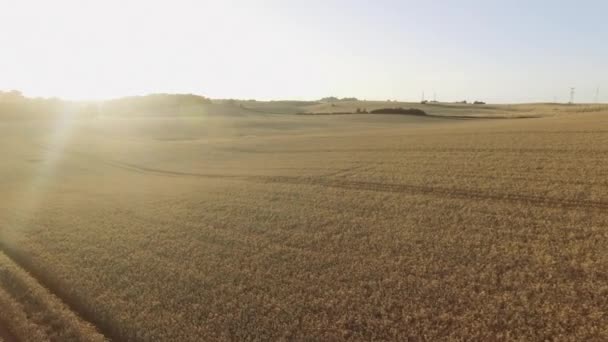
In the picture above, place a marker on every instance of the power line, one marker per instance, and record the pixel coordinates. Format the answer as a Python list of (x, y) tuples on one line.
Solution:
[(572, 95)]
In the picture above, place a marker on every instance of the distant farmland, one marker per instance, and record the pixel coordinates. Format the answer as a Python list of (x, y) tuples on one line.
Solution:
[(244, 221)]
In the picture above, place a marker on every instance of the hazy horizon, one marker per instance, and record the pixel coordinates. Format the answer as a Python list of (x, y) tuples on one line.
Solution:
[(468, 100), (500, 53)]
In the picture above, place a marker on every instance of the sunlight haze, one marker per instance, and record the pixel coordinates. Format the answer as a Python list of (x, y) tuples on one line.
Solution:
[(486, 50), (303, 170)]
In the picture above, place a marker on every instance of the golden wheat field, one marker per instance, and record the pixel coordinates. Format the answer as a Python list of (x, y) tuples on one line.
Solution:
[(253, 223)]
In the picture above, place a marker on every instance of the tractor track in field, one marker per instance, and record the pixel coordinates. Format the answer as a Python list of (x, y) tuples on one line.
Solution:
[(598, 152), (400, 188), (468, 194), (56, 288), (437, 191)]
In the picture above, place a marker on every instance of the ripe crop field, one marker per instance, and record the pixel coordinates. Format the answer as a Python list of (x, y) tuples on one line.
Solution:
[(255, 223)]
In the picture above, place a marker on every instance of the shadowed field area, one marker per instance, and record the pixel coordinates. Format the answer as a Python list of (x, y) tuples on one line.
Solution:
[(249, 222)]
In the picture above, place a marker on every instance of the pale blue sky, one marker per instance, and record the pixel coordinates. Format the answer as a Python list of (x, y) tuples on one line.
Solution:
[(497, 51)]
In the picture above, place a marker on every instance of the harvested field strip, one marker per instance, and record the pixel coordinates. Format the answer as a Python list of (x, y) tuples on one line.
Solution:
[(33, 313)]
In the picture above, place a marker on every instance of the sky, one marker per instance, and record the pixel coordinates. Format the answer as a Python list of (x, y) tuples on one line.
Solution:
[(494, 51)]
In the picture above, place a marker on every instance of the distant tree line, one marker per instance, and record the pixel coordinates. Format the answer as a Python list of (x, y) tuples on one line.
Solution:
[(476, 102), (13, 105), (335, 99), (155, 104)]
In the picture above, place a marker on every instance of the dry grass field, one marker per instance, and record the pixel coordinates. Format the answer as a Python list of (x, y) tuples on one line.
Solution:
[(254, 223)]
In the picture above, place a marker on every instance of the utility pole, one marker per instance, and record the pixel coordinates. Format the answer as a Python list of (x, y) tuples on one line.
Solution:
[(571, 95), (597, 94), (434, 96), (423, 96)]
